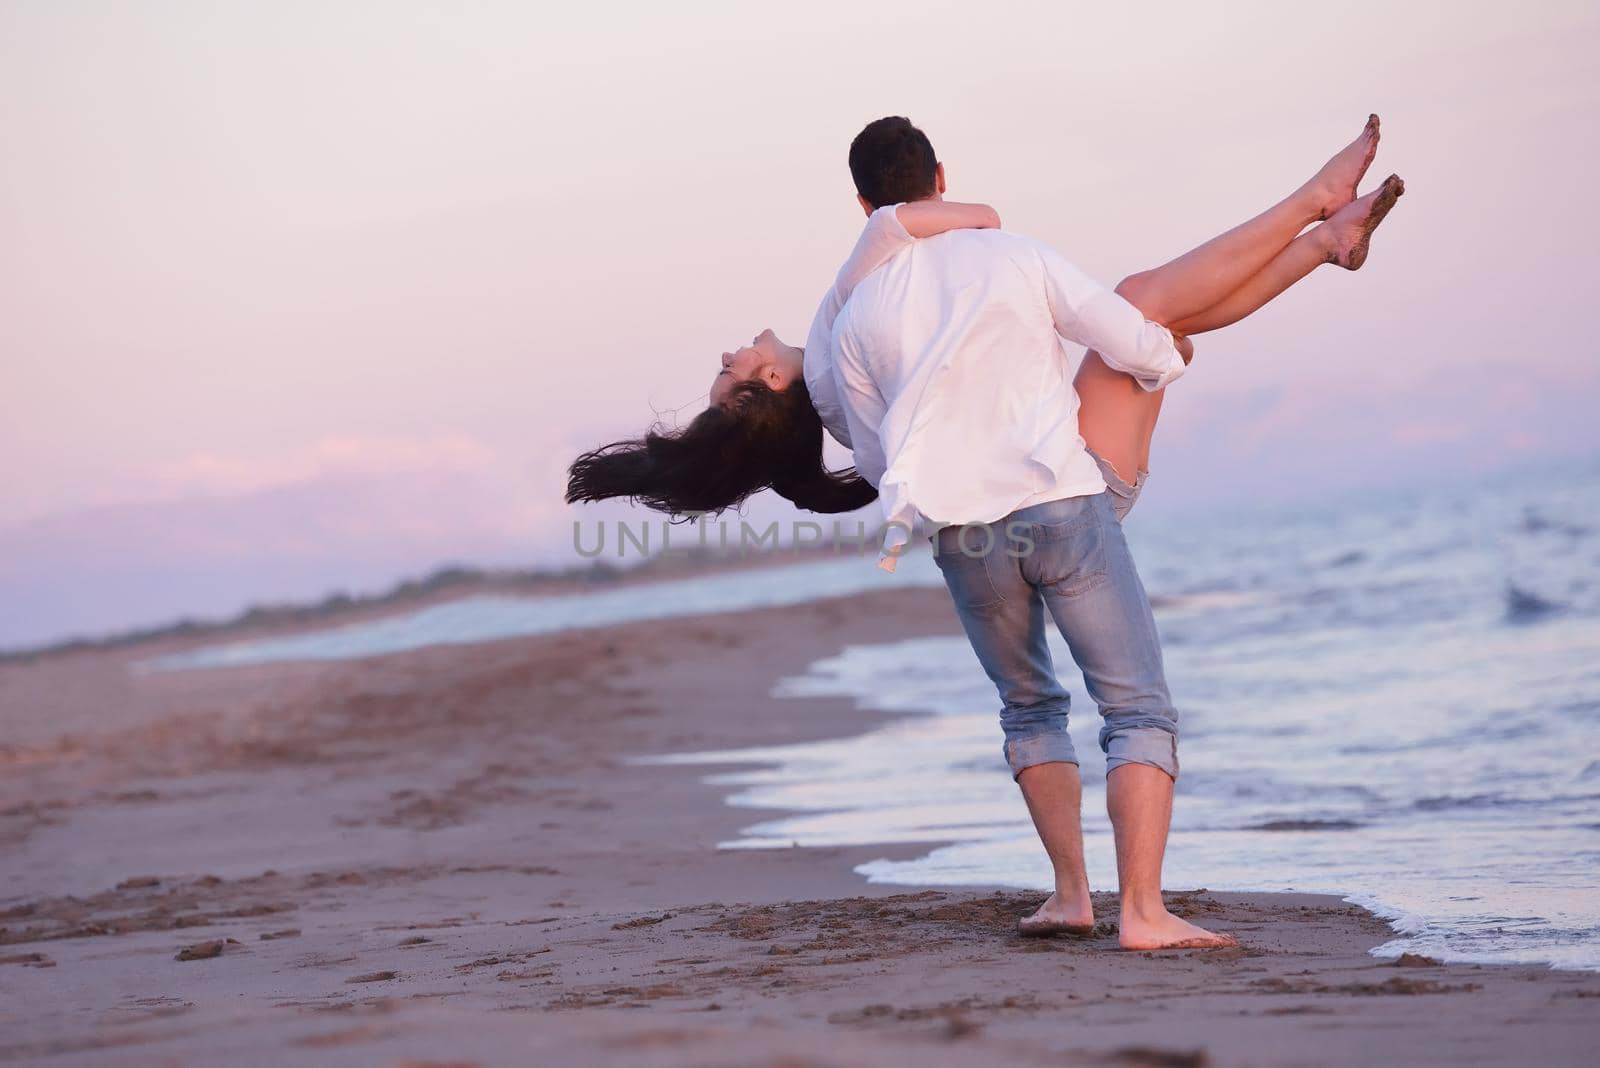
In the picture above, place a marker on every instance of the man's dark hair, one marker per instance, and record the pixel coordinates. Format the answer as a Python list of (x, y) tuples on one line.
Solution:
[(892, 162)]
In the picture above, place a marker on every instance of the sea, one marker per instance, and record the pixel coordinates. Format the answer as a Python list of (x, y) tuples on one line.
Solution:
[(1392, 697)]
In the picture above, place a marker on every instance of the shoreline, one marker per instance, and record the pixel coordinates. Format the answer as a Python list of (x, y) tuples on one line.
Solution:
[(471, 870), (444, 584)]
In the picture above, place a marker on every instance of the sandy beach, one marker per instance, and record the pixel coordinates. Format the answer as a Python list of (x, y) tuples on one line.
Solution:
[(445, 857)]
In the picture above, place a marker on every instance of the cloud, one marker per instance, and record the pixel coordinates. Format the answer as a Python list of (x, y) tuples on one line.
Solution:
[(330, 457), (212, 533)]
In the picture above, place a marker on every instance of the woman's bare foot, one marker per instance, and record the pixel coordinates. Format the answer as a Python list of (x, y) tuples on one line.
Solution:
[(1059, 916), (1163, 930), (1350, 229), (1335, 184)]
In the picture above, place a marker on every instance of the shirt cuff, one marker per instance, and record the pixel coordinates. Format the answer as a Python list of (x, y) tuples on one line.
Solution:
[(896, 536), (1165, 365), (1174, 370)]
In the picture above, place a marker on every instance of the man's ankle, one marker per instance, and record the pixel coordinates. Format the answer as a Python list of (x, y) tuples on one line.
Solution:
[(1142, 906)]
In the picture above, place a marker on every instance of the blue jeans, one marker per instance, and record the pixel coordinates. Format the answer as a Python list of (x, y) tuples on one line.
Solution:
[(1123, 496), (1067, 557)]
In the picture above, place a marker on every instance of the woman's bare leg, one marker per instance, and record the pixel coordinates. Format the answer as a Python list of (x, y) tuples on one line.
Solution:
[(1204, 275), (1343, 239), (1117, 418)]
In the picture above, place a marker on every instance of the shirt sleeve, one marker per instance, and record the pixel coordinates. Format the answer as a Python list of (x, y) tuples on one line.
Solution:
[(882, 237), (864, 410), (1090, 314), (817, 363)]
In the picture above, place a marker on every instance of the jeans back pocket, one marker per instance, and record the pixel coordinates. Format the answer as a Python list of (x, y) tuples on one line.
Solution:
[(1069, 557), (966, 573)]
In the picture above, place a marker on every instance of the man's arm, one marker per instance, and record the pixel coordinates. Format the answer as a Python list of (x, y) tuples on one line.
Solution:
[(818, 362), (865, 410), (1092, 315)]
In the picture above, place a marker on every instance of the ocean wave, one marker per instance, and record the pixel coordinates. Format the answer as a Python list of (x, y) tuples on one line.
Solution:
[(1204, 601), (1524, 606), (1535, 523), (1445, 802)]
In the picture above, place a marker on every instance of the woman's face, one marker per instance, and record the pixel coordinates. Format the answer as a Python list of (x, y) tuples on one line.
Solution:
[(765, 359)]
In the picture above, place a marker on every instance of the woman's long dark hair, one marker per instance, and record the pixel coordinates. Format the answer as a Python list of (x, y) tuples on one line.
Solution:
[(758, 437)]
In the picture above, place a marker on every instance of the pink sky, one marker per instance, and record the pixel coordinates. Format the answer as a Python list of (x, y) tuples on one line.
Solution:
[(305, 296)]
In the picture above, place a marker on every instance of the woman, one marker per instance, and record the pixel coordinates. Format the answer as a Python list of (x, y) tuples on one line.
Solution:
[(763, 428)]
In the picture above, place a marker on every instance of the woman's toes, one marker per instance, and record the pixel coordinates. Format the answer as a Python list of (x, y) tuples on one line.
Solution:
[(1340, 176), (1353, 224)]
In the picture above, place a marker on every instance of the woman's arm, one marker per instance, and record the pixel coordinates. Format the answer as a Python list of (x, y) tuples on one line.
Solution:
[(890, 229), (924, 218)]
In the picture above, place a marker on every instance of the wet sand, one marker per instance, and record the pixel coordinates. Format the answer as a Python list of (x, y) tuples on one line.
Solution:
[(443, 857)]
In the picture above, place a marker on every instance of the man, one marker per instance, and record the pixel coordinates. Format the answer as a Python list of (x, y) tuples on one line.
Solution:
[(952, 377)]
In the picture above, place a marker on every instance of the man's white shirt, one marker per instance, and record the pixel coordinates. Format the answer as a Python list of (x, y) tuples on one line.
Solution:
[(949, 368)]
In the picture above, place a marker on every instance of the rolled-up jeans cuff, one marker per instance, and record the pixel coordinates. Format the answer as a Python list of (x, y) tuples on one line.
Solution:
[(1143, 745), (1040, 749)]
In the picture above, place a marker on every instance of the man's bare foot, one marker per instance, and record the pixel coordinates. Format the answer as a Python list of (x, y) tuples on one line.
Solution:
[(1057, 916), (1335, 184), (1350, 229), (1163, 930)]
